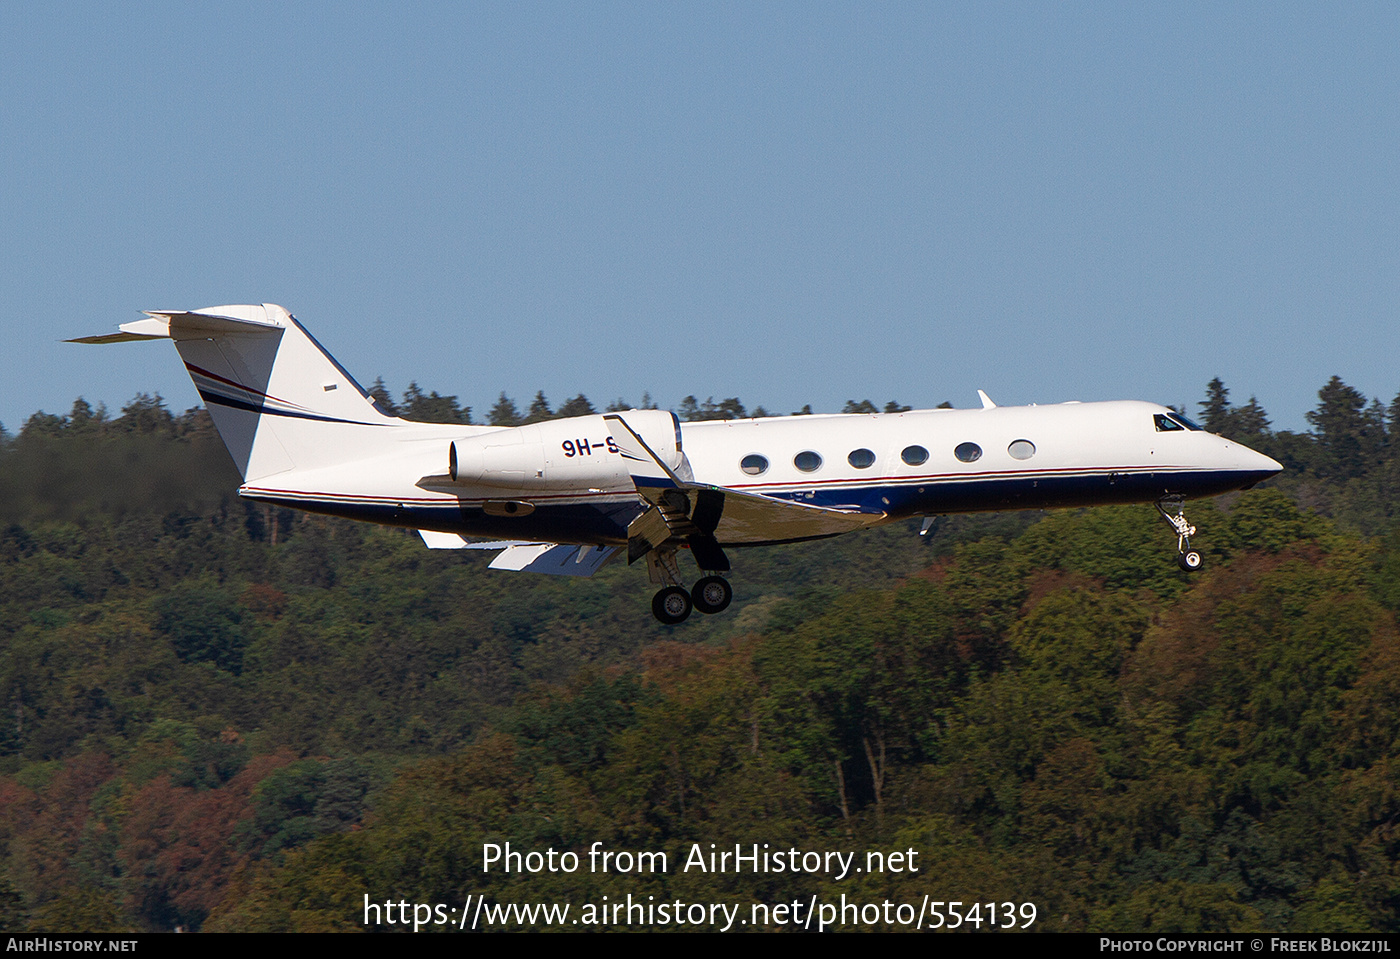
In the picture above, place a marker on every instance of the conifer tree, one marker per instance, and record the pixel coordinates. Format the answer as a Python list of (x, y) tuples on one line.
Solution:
[(504, 413), (539, 409), (380, 394), (1215, 409), (146, 413), (1345, 432), (578, 406), (432, 408)]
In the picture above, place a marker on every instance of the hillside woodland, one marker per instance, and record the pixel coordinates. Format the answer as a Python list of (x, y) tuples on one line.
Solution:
[(220, 716)]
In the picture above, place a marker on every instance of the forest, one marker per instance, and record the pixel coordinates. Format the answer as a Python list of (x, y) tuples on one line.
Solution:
[(218, 716)]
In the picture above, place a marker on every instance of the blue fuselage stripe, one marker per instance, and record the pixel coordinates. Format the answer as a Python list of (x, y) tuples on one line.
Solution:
[(606, 521)]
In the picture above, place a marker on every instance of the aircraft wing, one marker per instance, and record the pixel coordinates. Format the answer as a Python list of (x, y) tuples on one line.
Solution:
[(708, 516), (552, 559), (747, 517)]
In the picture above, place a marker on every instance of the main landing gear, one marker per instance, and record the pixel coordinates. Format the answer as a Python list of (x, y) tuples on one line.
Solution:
[(673, 603), (1186, 557)]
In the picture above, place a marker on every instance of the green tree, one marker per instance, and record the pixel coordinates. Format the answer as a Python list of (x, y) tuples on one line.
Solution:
[(539, 409), (504, 413), (380, 394), (84, 419), (691, 410), (578, 406), (204, 626), (726, 409), (146, 414), (1215, 409), (432, 408), (1347, 433), (1250, 421), (43, 424)]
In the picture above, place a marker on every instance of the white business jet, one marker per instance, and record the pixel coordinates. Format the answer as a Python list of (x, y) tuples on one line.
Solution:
[(566, 496)]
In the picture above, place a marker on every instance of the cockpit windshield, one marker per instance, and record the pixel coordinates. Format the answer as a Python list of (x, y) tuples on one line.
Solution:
[(1173, 422)]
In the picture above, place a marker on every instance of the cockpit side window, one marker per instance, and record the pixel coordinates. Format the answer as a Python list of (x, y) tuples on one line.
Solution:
[(1173, 422)]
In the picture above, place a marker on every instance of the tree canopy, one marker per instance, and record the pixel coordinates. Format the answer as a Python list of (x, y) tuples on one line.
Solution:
[(222, 716)]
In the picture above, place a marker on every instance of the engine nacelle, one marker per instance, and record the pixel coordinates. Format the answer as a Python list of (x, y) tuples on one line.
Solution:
[(570, 454)]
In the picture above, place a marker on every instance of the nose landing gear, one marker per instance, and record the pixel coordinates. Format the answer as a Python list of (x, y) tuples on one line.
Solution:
[(1186, 557)]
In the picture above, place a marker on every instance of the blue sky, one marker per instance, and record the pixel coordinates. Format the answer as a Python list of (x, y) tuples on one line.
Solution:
[(788, 203)]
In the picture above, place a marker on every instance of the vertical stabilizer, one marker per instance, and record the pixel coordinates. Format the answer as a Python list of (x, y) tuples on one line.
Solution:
[(279, 401)]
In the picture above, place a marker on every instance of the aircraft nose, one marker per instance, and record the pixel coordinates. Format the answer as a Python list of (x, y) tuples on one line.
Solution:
[(1257, 466)]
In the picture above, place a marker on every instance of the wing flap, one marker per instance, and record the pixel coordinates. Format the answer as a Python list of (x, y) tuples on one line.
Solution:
[(750, 518)]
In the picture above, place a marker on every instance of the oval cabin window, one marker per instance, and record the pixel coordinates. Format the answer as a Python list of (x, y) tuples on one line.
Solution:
[(968, 452), (754, 465), (914, 455)]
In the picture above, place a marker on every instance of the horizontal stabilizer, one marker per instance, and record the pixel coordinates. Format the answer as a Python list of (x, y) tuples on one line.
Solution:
[(184, 324), (434, 540), (181, 325), (554, 560), (106, 338)]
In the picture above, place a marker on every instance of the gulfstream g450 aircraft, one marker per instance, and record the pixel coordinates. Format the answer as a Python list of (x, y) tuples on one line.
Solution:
[(566, 496)]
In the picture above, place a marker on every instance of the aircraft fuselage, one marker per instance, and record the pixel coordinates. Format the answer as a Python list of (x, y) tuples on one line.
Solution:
[(568, 482)]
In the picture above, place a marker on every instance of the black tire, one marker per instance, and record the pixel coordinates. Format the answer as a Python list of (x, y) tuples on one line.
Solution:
[(712, 594), (1189, 560), (671, 605)]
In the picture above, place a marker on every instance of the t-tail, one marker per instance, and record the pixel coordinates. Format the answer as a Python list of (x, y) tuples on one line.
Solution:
[(279, 401)]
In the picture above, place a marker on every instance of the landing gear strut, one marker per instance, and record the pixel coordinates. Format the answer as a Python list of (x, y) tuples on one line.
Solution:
[(673, 603), (1186, 557)]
